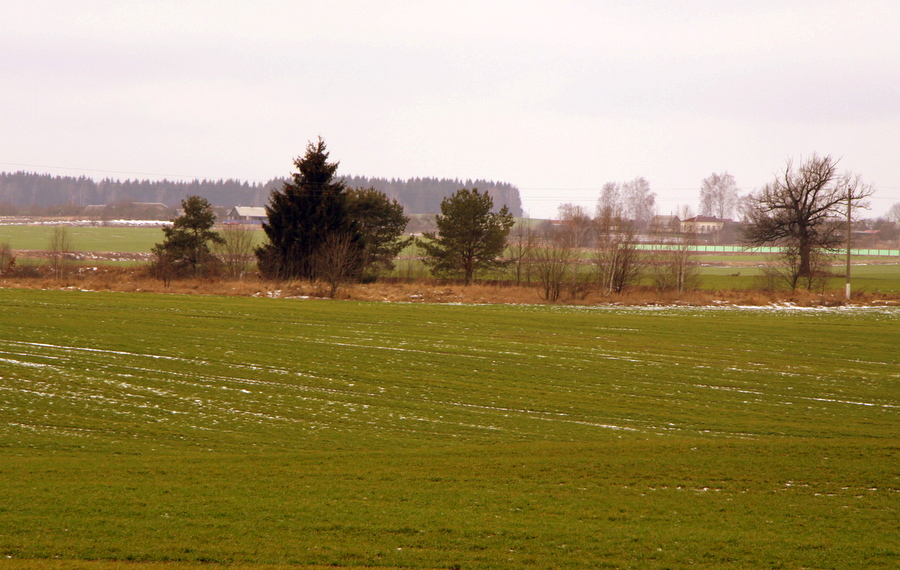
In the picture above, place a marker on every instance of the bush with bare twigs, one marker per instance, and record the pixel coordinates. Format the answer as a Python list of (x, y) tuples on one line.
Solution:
[(7, 259), (236, 249)]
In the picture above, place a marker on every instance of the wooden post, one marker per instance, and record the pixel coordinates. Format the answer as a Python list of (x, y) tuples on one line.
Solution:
[(849, 201)]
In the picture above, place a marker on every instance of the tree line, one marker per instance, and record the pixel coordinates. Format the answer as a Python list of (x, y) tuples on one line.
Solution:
[(25, 192), (320, 229), (27, 189), (424, 195), (806, 212)]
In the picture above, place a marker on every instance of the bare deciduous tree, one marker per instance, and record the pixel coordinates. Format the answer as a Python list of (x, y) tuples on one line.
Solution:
[(520, 248), (673, 264), (59, 251), (797, 210), (630, 200), (236, 252), (893, 213), (744, 207), (783, 270), (553, 260), (337, 260), (7, 258), (163, 268), (616, 256), (639, 200), (718, 195), (611, 203), (576, 225), (576, 233)]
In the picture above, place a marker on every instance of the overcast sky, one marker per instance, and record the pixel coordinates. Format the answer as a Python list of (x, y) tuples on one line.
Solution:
[(554, 97)]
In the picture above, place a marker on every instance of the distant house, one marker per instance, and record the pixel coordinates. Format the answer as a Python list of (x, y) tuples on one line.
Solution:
[(247, 215), (703, 224), (94, 210), (152, 205), (666, 224)]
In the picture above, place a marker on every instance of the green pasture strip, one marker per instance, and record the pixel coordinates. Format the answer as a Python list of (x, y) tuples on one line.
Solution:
[(121, 239), (100, 238), (883, 278), (722, 279), (162, 428), (868, 278)]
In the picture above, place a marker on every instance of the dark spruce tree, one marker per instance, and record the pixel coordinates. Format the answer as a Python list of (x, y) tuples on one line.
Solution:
[(308, 212)]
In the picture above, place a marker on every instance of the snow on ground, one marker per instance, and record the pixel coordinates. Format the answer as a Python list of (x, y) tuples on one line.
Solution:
[(21, 221)]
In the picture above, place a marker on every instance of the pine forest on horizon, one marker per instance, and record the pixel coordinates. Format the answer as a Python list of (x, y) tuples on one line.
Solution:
[(417, 195)]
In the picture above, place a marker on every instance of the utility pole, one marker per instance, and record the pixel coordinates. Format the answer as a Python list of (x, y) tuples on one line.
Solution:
[(849, 202)]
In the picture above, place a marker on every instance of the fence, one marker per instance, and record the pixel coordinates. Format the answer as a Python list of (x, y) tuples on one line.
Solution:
[(739, 249)]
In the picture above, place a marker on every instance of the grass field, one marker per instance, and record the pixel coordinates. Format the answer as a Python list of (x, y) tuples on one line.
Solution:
[(100, 239), (192, 430), (119, 239), (871, 278)]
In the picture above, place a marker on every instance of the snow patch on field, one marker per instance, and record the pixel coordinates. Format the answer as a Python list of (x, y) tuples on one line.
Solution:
[(51, 385), (21, 363), (771, 308)]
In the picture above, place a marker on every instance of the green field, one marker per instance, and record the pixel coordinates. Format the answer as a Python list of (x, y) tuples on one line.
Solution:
[(882, 278), (119, 239), (161, 428), (100, 239)]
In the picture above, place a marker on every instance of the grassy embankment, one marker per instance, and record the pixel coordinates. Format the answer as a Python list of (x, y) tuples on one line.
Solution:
[(152, 428)]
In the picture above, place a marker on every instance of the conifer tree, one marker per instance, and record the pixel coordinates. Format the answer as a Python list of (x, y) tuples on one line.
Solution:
[(303, 215), (470, 236), (381, 222), (185, 251)]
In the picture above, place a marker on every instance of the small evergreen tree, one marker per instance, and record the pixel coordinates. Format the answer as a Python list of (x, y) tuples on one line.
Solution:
[(302, 215), (470, 236), (185, 251)]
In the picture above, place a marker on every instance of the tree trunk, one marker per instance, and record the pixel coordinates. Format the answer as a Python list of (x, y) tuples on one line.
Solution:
[(805, 270)]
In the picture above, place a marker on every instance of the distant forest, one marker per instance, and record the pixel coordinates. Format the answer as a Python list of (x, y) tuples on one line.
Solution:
[(424, 195), (21, 192)]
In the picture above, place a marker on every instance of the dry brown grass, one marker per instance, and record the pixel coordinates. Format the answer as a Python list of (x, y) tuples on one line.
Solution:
[(136, 279)]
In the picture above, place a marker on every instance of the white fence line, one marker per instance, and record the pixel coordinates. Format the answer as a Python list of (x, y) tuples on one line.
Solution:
[(739, 249)]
